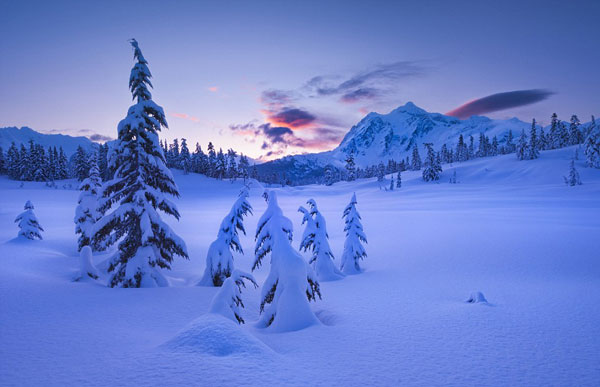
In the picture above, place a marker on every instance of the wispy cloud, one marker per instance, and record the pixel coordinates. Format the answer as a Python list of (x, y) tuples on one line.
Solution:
[(213, 89), (500, 101), (184, 116)]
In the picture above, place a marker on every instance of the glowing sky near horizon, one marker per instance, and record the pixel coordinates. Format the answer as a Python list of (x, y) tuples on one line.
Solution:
[(275, 78)]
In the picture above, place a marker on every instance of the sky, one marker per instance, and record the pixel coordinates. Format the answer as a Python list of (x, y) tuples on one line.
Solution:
[(282, 77)]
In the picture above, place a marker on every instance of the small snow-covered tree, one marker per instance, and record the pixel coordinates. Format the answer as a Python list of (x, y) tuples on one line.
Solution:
[(87, 213), (228, 300), (291, 282), (399, 180), (354, 251), (315, 240), (573, 178), (28, 223), (380, 171), (219, 260), (328, 175), (139, 189), (86, 266), (432, 169)]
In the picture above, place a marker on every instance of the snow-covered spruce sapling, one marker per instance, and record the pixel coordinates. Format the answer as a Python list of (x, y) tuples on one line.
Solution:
[(573, 178), (219, 260), (354, 251), (86, 267), (138, 190), (399, 180), (291, 282), (87, 213), (228, 301), (315, 240), (28, 223)]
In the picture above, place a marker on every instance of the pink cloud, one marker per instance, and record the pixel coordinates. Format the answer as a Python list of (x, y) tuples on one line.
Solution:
[(213, 89), (185, 117)]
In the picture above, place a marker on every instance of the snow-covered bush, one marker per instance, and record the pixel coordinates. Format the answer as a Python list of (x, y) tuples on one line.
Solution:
[(315, 239), (477, 298), (28, 223), (291, 283), (573, 178), (219, 260), (86, 213), (354, 251), (86, 267), (228, 301), (138, 190)]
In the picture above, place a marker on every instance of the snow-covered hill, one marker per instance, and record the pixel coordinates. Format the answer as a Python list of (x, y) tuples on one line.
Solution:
[(510, 229), (23, 135), (381, 137)]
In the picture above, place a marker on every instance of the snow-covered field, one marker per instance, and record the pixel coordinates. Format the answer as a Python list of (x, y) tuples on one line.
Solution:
[(510, 229)]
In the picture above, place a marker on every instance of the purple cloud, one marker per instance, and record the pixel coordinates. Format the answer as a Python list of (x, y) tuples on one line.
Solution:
[(500, 101)]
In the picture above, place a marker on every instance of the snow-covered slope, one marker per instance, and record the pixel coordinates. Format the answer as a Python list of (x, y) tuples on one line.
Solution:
[(23, 135), (510, 229), (381, 137)]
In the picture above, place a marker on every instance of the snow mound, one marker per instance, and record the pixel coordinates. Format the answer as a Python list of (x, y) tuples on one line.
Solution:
[(215, 335), (477, 298)]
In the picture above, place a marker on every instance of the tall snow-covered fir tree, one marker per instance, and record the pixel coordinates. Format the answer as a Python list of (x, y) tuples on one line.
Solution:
[(81, 164), (186, 158), (592, 145), (28, 224), (315, 240), (350, 167), (219, 260), (86, 212), (138, 190), (354, 251), (291, 282), (522, 147), (415, 162), (533, 151), (433, 168)]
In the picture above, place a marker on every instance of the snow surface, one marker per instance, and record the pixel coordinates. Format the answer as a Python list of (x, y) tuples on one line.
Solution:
[(510, 229)]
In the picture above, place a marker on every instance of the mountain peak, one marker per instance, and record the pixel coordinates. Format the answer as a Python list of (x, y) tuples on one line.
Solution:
[(409, 107)]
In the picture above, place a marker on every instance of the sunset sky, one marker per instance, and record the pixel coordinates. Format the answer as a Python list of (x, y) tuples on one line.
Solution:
[(275, 78)]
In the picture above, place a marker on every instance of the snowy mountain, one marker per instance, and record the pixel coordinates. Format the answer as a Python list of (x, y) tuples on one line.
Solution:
[(23, 135), (381, 137)]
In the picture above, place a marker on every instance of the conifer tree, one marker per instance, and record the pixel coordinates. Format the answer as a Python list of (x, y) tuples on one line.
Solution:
[(244, 168), (81, 168), (432, 167), (575, 136), (522, 147), (232, 168), (553, 134), (87, 213), (509, 145), (532, 149), (291, 282), (399, 180), (573, 178), (392, 183), (592, 145), (462, 153), (415, 162), (28, 224), (380, 172), (86, 266), (219, 260), (350, 167), (228, 301), (220, 166), (327, 175), (355, 237), (12, 157), (186, 159), (138, 191), (315, 240)]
